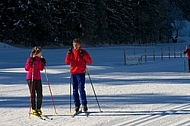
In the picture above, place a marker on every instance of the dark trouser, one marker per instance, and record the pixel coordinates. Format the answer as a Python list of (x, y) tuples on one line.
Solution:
[(35, 88), (78, 82)]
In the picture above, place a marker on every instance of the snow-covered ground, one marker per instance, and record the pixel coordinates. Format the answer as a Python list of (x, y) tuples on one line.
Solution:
[(150, 94)]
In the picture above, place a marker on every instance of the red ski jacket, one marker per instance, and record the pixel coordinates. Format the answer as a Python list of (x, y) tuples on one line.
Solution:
[(187, 51), (37, 67), (77, 62)]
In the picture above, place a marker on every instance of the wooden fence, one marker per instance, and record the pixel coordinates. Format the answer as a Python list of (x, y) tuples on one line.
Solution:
[(135, 57)]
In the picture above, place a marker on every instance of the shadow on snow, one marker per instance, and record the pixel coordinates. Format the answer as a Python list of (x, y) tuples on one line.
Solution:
[(104, 100)]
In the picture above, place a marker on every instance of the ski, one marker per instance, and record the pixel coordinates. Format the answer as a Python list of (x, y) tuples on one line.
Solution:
[(40, 117), (79, 112), (86, 113), (46, 117), (76, 113)]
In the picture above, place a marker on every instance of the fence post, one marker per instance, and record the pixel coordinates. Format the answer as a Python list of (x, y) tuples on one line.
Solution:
[(181, 52), (145, 56), (154, 55), (161, 53), (141, 59), (174, 53), (169, 52), (125, 57)]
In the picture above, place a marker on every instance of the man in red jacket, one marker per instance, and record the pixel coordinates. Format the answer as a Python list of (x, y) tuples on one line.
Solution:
[(34, 64), (187, 51), (78, 58)]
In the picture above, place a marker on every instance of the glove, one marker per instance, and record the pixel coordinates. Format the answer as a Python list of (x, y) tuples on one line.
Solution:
[(32, 59), (184, 52), (70, 50), (43, 61), (81, 53)]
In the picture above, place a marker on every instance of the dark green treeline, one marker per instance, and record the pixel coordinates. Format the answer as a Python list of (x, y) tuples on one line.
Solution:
[(96, 22)]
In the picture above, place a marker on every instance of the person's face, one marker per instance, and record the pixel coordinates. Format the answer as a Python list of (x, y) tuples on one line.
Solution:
[(39, 54), (76, 46)]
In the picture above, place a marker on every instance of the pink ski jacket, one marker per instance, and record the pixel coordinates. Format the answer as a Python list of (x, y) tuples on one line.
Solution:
[(36, 68)]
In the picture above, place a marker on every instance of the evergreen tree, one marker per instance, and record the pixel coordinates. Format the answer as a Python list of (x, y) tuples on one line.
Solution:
[(55, 22)]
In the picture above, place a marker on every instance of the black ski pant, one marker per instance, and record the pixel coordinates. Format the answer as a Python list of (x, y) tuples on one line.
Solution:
[(35, 88)]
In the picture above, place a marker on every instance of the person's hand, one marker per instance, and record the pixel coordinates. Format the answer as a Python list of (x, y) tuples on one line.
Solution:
[(43, 61), (81, 53), (70, 50), (32, 59)]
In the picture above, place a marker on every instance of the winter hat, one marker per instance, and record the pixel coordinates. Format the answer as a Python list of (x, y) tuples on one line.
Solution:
[(36, 50), (77, 40)]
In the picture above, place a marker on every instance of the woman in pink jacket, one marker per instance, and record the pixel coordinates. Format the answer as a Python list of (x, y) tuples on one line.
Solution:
[(34, 64)]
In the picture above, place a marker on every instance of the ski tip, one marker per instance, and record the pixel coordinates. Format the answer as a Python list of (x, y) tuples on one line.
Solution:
[(76, 113), (29, 115)]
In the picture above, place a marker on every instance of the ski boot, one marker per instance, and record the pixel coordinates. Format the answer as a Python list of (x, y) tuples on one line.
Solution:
[(39, 111), (85, 108)]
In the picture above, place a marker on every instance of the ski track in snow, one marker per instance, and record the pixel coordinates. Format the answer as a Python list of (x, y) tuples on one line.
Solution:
[(119, 106)]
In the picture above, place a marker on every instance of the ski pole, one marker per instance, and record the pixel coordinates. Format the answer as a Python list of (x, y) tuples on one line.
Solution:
[(185, 59), (94, 91), (70, 77), (70, 93), (50, 90), (184, 63), (31, 91)]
